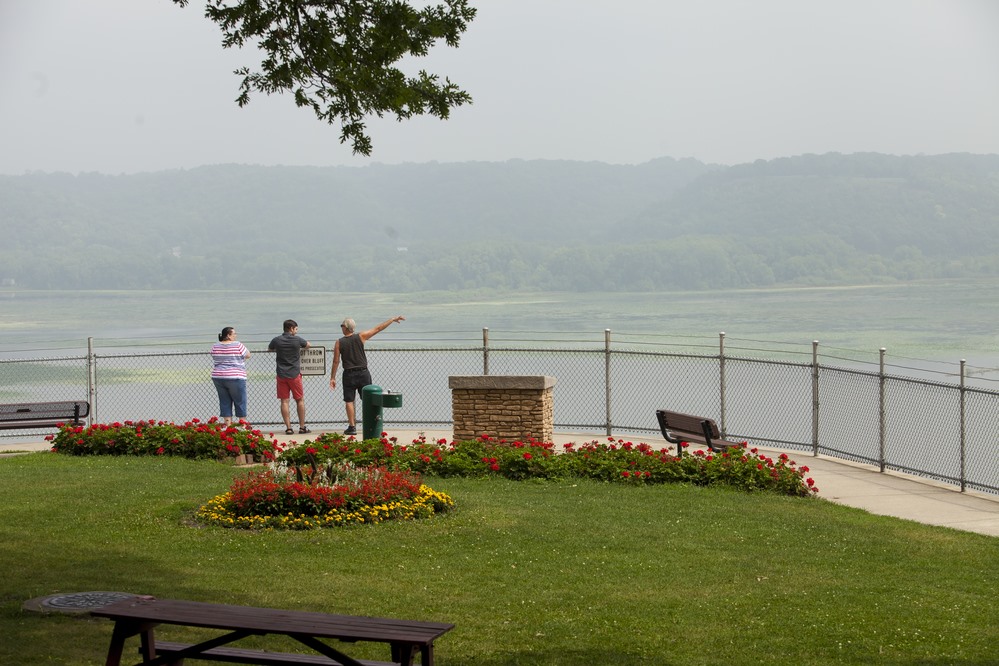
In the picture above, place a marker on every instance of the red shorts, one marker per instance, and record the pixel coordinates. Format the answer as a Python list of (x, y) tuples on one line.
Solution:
[(290, 388)]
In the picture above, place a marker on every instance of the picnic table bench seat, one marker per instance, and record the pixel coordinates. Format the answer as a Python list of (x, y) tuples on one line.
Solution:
[(266, 658)]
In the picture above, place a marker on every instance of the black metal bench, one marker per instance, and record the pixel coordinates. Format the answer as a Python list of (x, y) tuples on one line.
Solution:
[(18, 415), (678, 428)]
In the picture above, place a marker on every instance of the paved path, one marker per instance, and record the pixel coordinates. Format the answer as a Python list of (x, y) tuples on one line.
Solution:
[(860, 486)]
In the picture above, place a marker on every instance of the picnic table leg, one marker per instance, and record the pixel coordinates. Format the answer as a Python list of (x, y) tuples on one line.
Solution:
[(147, 647), (122, 631), (403, 653)]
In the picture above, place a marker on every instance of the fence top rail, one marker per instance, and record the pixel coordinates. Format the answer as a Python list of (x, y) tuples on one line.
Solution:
[(44, 359)]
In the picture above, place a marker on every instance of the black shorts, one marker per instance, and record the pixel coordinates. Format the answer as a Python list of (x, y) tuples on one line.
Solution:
[(354, 379)]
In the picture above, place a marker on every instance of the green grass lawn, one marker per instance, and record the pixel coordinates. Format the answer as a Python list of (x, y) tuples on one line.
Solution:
[(530, 572)]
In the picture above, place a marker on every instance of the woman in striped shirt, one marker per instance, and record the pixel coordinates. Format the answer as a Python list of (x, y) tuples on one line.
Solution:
[(229, 374)]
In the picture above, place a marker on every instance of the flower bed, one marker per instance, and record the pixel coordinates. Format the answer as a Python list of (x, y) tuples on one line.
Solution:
[(194, 439), (293, 497), (334, 481), (614, 460)]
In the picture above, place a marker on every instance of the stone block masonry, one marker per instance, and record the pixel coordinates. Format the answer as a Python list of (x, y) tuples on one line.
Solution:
[(502, 406)]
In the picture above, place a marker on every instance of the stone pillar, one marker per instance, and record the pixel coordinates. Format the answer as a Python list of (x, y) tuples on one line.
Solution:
[(502, 406)]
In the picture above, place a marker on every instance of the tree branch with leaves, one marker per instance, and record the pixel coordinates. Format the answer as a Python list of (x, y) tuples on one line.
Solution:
[(339, 57)]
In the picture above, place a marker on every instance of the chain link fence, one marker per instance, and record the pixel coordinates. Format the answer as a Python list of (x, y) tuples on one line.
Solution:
[(945, 431)]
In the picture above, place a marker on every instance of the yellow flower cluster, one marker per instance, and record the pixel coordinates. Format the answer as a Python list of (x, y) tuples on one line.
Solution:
[(218, 511)]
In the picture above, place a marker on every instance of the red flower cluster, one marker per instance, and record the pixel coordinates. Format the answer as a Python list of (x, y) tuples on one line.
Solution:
[(493, 463), (263, 494), (607, 460), (193, 439)]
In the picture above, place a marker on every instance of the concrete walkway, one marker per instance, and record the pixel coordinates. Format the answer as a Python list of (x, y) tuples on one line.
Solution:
[(859, 486)]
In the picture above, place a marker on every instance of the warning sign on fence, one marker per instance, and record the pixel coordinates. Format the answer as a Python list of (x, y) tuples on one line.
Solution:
[(314, 361)]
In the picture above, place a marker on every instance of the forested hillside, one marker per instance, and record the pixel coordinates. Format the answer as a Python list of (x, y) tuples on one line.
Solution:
[(665, 224)]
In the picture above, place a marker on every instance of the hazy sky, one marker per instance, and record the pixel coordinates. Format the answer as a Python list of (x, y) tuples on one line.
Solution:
[(139, 85)]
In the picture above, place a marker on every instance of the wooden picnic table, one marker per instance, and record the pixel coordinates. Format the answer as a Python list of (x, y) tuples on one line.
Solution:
[(139, 616)]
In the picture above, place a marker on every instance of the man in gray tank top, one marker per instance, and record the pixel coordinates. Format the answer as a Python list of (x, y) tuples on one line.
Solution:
[(350, 349)]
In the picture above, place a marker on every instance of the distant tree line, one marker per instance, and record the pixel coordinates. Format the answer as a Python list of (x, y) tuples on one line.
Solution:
[(690, 263), (567, 226)]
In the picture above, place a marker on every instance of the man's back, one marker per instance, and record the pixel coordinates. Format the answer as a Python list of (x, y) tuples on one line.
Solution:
[(287, 349)]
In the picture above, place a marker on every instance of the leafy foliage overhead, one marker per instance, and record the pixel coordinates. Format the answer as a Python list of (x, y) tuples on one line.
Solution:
[(339, 57)]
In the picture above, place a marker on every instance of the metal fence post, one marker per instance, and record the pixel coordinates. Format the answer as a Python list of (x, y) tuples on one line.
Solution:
[(881, 411), (485, 351), (815, 397), (91, 381), (607, 377), (721, 383), (962, 394)]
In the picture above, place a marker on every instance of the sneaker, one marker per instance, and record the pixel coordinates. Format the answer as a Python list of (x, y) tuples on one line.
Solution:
[(351, 430)]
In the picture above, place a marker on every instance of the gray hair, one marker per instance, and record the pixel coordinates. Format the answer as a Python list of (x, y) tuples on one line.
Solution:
[(348, 324)]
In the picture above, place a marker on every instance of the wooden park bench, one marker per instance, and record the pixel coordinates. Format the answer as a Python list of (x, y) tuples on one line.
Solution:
[(678, 428), (139, 616), (42, 414)]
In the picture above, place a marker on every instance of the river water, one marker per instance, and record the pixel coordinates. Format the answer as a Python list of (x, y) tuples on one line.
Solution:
[(928, 325)]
